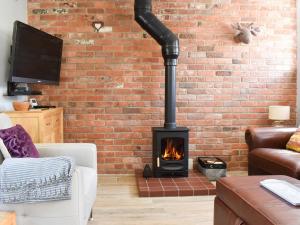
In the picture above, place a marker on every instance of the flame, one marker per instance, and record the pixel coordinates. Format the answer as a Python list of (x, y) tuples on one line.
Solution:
[(171, 153)]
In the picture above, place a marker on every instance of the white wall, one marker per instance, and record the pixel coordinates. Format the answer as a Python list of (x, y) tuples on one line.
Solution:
[(298, 63), (10, 10)]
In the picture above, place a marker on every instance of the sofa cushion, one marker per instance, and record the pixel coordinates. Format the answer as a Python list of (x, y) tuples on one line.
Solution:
[(254, 204), (276, 161), (18, 142), (294, 142)]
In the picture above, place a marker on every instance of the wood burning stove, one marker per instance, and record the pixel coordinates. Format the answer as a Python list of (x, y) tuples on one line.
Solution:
[(170, 151), (170, 143)]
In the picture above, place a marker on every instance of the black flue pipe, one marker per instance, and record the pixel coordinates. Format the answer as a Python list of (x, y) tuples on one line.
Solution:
[(170, 51)]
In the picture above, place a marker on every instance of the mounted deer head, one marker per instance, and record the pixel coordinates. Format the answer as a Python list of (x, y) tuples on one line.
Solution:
[(244, 33)]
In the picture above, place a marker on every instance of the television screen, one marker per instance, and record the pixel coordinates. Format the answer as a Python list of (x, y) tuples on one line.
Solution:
[(36, 56)]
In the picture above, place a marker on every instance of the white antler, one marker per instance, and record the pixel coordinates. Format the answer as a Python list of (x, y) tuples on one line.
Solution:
[(254, 30), (249, 26), (215, 3), (236, 26)]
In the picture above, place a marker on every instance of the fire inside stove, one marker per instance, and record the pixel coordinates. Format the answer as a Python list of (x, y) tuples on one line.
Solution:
[(172, 148)]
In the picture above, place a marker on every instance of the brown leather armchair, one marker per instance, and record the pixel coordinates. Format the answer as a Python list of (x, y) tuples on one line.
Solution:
[(268, 154)]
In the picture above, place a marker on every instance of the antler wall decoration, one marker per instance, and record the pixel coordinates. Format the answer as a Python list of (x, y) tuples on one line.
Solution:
[(216, 3), (245, 32)]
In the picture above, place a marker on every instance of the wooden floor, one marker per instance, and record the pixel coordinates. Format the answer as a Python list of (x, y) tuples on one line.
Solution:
[(118, 204)]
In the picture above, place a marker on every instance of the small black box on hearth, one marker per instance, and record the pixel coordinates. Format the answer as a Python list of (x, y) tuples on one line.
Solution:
[(212, 167)]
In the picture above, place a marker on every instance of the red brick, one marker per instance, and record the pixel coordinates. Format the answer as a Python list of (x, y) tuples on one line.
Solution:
[(113, 91)]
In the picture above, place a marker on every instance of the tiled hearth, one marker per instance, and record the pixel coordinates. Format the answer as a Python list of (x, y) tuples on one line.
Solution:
[(195, 184)]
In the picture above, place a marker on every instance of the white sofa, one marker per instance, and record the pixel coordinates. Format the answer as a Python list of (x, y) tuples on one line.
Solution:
[(84, 188)]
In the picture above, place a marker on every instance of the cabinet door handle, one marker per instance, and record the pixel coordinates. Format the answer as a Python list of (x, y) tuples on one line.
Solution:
[(48, 124)]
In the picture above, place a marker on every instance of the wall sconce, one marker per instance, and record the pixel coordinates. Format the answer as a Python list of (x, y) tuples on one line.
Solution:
[(97, 25), (279, 114)]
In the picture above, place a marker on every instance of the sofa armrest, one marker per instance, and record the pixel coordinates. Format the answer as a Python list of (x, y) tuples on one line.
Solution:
[(83, 153), (268, 137)]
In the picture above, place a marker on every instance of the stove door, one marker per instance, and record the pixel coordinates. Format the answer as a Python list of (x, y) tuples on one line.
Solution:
[(172, 149)]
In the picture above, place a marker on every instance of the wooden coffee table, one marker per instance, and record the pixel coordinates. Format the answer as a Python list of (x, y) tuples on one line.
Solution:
[(7, 218)]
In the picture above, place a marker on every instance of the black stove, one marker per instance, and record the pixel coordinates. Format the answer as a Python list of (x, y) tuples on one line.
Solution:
[(170, 143)]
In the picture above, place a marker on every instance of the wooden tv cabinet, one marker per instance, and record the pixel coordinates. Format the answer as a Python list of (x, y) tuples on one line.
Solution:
[(44, 126), (7, 218)]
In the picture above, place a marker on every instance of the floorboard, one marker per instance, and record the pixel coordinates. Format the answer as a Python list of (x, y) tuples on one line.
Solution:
[(118, 204)]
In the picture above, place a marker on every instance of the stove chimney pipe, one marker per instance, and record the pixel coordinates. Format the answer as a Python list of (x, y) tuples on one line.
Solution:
[(170, 51)]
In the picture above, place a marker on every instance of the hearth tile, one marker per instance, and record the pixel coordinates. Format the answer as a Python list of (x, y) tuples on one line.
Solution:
[(191, 179), (203, 179), (153, 181), (158, 184), (165, 179), (179, 179), (183, 185), (152, 188), (200, 187), (167, 184), (209, 186), (144, 193), (170, 188), (142, 184), (196, 183), (212, 191), (143, 188), (171, 191), (201, 192), (181, 182), (156, 192), (142, 180), (186, 191)]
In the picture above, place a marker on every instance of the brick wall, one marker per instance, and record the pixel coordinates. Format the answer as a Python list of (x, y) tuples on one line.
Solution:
[(112, 82)]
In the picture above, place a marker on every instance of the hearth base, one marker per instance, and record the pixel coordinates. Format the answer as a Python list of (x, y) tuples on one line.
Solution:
[(194, 185)]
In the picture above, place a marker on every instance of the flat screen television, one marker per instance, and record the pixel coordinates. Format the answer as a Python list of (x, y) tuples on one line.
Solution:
[(35, 56)]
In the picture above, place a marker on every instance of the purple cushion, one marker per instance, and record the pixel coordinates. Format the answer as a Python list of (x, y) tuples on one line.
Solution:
[(18, 142)]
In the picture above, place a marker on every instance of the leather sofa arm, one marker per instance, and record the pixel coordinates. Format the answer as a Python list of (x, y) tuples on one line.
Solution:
[(84, 154), (268, 137)]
